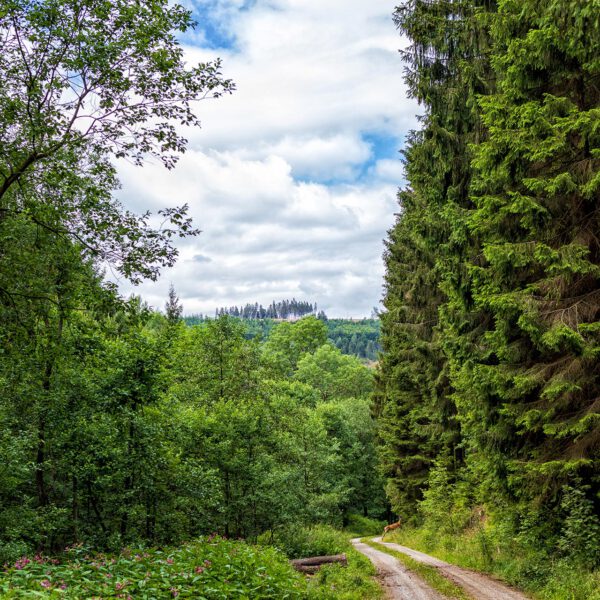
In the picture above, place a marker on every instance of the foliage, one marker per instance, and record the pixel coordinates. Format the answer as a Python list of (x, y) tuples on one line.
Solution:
[(284, 309), (356, 580), (177, 432), (487, 391), (361, 525), (352, 337), (85, 82), (120, 426), (331, 581), (206, 568), (297, 541)]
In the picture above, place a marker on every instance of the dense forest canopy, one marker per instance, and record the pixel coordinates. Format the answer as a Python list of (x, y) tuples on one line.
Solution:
[(355, 337), (488, 391)]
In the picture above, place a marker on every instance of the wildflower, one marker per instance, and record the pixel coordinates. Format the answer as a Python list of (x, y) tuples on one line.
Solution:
[(199, 569), (169, 561), (175, 592), (207, 563), (119, 586), (21, 563), (45, 583)]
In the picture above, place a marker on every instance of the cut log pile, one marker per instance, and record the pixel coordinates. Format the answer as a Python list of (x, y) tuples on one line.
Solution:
[(314, 563)]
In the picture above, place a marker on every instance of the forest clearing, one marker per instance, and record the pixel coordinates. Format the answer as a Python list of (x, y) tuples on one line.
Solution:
[(445, 446)]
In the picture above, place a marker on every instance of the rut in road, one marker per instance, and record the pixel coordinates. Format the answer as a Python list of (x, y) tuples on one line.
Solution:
[(398, 582), (477, 585)]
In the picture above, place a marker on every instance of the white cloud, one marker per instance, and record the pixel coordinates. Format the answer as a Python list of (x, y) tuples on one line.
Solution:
[(284, 178)]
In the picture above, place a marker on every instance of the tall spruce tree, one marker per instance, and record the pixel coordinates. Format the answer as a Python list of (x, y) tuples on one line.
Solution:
[(529, 390), (425, 247), (492, 326)]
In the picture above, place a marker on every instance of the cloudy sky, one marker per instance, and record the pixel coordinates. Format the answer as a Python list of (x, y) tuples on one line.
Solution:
[(293, 178)]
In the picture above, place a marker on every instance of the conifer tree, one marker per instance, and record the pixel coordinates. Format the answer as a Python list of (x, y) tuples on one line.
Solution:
[(173, 307), (529, 389), (425, 248)]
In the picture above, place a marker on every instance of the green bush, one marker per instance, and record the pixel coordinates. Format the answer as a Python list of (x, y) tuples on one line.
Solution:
[(331, 582), (362, 526), (209, 568), (299, 542)]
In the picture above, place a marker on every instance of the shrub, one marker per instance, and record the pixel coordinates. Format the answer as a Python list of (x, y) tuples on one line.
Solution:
[(299, 542), (209, 568), (363, 526)]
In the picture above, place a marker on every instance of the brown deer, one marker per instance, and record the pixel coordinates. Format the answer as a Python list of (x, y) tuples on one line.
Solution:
[(391, 527)]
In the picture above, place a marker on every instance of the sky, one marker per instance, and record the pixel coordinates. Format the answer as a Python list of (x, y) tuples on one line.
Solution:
[(293, 178)]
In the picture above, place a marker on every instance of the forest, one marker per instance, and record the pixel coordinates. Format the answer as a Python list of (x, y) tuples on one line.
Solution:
[(355, 337), (131, 444), (147, 455), (488, 388)]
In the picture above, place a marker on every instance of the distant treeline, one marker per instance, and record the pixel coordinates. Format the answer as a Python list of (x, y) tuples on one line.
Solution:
[(286, 309), (355, 338)]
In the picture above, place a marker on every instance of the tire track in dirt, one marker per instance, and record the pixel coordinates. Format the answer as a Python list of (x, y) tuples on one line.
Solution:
[(398, 582), (477, 585)]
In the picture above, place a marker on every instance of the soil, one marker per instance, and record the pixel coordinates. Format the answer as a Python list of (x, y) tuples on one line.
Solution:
[(398, 582), (477, 585)]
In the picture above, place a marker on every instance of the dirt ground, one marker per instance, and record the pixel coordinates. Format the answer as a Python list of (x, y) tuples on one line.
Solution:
[(398, 582), (477, 585)]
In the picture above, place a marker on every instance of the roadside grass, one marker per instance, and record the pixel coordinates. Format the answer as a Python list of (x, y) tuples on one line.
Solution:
[(356, 581), (427, 573), (530, 570)]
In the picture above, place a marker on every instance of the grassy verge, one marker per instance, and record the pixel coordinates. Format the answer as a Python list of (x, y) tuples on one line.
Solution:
[(354, 582), (529, 569), (427, 573)]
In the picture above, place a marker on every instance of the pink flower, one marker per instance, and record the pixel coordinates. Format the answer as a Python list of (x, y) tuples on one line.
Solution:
[(207, 563), (199, 569), (169, 561), (22, 562), (119, 586), (175, 592), (45, 583)]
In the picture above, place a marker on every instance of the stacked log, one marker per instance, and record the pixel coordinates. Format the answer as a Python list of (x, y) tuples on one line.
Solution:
[(314, 563)]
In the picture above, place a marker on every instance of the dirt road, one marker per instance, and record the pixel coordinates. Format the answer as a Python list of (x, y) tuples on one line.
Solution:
[(398, 582), (477, 585)]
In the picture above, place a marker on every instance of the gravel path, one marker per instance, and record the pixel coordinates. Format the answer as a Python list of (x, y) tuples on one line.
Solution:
[(477, 585), (397, 581)]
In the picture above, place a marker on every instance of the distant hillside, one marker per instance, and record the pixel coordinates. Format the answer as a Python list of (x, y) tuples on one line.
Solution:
[(353, 337)]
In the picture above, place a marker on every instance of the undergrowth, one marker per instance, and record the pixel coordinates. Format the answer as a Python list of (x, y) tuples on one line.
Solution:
[(210, 568), (353, 582)]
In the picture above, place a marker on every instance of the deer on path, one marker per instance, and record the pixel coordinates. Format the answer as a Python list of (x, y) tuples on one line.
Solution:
[(391, 527)]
